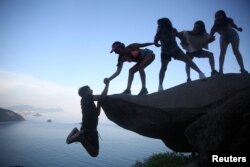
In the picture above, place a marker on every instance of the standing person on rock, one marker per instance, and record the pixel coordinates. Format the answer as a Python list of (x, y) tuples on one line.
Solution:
[(197, 39), (226, 27), (166, 35)]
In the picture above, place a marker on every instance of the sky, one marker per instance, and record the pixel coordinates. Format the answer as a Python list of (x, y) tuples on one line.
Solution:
[(50, 48)]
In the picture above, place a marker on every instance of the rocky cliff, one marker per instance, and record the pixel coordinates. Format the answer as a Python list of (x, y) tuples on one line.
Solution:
[(7, 115), (202, 115)]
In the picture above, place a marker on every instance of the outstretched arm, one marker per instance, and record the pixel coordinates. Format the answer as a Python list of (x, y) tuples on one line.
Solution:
[(98, 97), (236, 27), (118, 71), (139, 45), (157, 39), (213, 30), (210, 39), (181, 37)]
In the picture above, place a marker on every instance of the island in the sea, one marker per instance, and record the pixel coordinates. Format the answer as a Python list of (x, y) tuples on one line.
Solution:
[(8, 115)]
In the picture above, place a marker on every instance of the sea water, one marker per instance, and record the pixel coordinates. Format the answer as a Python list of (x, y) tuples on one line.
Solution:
[(35, 143)]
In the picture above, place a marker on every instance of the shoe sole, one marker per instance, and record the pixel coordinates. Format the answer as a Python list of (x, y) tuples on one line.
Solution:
[(69, 139)]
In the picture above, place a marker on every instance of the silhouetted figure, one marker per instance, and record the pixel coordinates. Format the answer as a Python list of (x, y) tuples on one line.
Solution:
[(226, 28), (88, 134), (132, 53), (166, 34), (198, 39)]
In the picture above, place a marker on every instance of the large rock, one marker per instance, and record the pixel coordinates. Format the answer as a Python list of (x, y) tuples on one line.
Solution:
[(226, 127), (8, 115), (187, 116)]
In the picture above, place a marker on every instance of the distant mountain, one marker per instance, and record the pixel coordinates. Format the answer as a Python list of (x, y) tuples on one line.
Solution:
[(28, 108), (8, 115)]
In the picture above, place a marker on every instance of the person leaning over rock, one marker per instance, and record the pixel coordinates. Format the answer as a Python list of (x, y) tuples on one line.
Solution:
[(132, 53)]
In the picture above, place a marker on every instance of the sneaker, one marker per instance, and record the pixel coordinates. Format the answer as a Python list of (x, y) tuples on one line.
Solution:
[(69, 138), (74, 136), (160, 88), (189, 80), (126, 92), (202, 75), (214, 73), (143, 91), (243, 71)]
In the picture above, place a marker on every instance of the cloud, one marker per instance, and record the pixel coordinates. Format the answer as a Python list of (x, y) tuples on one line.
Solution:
[(17, 88)]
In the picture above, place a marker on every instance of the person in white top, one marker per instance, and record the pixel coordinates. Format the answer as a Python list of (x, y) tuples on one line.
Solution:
[(196, 40)]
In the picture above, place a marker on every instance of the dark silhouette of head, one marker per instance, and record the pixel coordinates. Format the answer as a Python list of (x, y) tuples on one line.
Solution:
[(220, 16), (117, 45), (84, 91), (164, 23), (199, 27)]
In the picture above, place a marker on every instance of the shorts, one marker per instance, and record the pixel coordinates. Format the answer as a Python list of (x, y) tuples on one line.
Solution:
[(145, 52), (229, 36), (166, 56), (197, 53)]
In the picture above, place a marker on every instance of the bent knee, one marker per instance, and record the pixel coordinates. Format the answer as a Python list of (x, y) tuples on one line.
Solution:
[(132, 71)]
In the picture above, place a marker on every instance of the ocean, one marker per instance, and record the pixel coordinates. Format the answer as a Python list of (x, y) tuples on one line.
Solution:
[(36, 143)]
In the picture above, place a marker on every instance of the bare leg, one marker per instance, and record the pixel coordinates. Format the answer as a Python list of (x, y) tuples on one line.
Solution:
[(223, 49), (188, 61), (188, 70), (210, 56), (143, 78), (145, 62), (132, 71), (235, 47), (139, 67), (164, 64)]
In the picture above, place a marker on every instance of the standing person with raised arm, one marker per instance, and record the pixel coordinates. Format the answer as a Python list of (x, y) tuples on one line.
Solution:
[(197, 39), (226, 27)]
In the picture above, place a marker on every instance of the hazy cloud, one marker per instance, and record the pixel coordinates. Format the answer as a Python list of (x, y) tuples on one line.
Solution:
[(17, 88)]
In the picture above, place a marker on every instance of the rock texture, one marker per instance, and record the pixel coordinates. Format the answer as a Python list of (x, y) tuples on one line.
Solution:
[(199, 116), (7, 115)]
